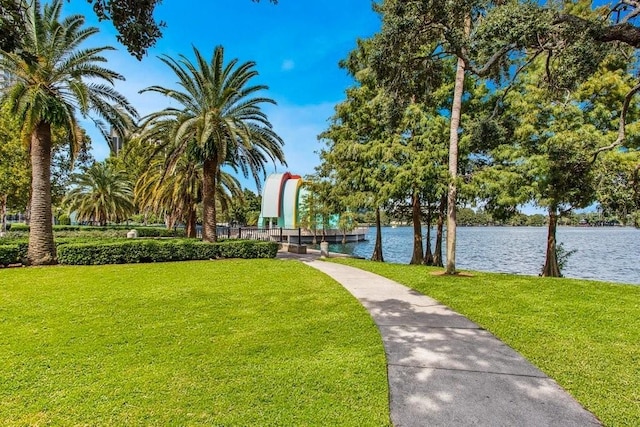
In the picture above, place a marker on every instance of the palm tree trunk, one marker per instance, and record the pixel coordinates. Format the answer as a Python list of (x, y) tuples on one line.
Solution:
[(428, 255), (417, 257), (437, 252), (551, 267), (42, 249), (27, 210), (3, 214), (377, 249), (209, 220), (191, 224)]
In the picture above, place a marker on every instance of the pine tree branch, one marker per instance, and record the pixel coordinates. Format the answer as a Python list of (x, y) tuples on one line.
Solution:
[(623, 123), (623, 32)]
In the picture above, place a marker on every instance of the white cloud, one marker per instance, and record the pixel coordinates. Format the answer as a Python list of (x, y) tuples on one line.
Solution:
[(288, 65)]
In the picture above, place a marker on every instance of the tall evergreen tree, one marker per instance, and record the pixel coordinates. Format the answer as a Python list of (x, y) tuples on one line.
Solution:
[(357, 140), (548, 157)]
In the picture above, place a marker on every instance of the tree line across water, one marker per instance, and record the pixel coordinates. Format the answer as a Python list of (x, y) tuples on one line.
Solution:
[(468, 217), (494, 104)]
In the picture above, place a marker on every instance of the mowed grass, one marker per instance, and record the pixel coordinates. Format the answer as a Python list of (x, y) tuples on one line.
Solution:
[(233, 343), (583, 334)]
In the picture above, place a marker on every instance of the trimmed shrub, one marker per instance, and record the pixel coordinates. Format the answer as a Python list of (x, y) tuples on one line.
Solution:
[(13, 254), (157, 232), (110, 230), (141, 251), (14, 250), (16, 226)]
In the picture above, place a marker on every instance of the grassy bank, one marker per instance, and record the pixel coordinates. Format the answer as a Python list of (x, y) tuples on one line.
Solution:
[(261, 342), (584, 334)]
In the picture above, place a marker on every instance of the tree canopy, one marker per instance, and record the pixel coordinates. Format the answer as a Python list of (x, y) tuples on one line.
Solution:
[(137, 28)]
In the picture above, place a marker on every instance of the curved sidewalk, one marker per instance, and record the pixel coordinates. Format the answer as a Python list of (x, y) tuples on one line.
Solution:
[(444, 370)]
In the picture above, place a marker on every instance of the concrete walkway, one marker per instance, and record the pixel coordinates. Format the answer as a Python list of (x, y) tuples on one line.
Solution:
[(444, 370)]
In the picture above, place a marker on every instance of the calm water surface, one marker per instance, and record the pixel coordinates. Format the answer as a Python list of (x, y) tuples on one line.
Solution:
[(602, 253)]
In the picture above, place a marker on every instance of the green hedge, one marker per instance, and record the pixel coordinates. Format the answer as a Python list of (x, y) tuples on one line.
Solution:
[(140, 251), (112, 230), (13, 254), (15, 251)]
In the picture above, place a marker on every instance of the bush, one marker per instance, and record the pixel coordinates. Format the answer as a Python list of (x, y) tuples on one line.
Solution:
[(14, 251), (13, 254), (64, 219), (158, 232), (140, 251), (16, 226), (13, 237), (109, 230)]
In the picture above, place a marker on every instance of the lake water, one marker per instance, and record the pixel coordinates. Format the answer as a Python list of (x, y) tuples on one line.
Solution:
[(602, 253)]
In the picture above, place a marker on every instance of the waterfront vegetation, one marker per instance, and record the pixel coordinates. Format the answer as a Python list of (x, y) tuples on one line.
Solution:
[(539, 125), (583, 334), (139, 344), (93, 246)]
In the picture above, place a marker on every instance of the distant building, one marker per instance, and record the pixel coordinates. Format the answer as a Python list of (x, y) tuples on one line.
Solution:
[(115, 142)]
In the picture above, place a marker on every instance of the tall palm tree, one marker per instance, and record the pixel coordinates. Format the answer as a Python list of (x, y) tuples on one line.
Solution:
[(101, 194), (219, 121), (46, 87), (178, 191)]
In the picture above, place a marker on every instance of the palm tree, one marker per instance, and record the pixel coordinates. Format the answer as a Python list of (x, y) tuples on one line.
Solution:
[(101, 194), (219, 122), (178, 191), (176, 194), (45, 88)]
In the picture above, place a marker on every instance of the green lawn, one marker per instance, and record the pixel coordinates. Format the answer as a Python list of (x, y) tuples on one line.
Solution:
[(584, 334), (260, 342)]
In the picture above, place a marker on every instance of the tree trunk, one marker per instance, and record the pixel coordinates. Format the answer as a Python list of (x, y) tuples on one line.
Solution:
[(551, 267), (377, 249), (170, 220), (428, 255), (191, 224), (417, 257), (42, 249), (437, 252), (456, 107), (209, 214), (3, 214), (27, 210)]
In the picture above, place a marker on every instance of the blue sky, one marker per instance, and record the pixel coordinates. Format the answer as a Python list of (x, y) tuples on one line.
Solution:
[(296, 45)]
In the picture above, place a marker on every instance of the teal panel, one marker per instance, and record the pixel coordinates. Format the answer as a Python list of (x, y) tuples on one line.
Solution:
[(289, 202)]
